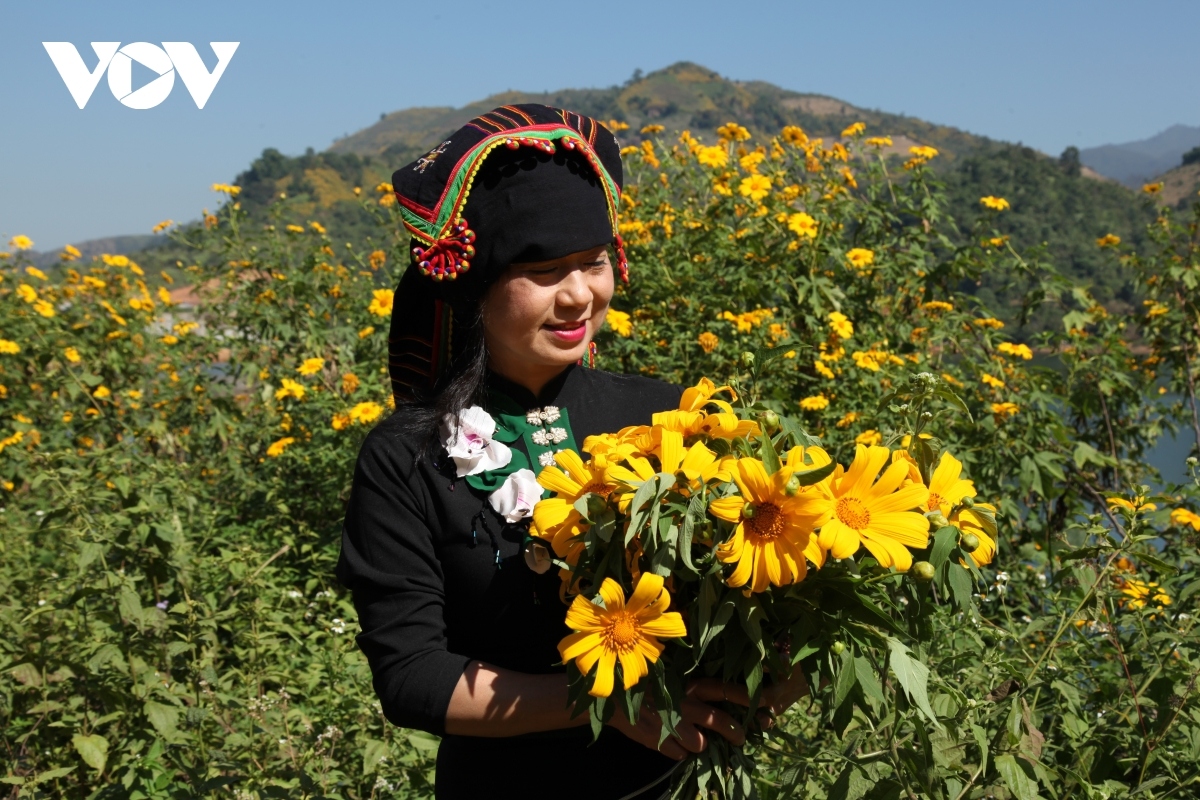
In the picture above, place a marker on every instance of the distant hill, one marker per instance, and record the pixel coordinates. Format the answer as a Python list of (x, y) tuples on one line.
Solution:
[(681, 96), (1134, 163), (1180, 185)]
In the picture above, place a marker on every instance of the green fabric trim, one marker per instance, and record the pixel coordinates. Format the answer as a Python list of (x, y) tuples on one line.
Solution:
[(511, 425)]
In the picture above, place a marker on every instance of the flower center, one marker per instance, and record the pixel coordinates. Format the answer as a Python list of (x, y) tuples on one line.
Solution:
[(767, 522), (622, 633), (852, 513), (935, 501), (602, 489)]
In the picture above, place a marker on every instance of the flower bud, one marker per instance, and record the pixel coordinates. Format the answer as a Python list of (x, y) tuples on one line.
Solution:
[(1192, 461), (747, 359), (747, 511), (937, 519), (792, 486), (769, 420), (967, 502), (969, 543), (923, 571), (837, 648)]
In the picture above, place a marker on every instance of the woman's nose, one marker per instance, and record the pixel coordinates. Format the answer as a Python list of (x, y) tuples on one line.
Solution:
[(574, 289)]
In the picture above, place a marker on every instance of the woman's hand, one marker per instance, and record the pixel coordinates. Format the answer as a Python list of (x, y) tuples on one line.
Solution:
[(697, 714), (779, 697)]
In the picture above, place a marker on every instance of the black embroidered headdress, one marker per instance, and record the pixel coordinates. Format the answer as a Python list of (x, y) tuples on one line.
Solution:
[(520, 183)]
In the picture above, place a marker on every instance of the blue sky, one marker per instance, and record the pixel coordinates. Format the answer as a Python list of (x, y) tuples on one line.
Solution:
[(1049, 74)]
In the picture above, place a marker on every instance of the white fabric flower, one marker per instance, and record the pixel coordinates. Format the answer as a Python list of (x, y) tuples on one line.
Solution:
[(515, 498), (550, 414), (558, 434), (540, 437), (471, 445), (533, 417), (546, 458)]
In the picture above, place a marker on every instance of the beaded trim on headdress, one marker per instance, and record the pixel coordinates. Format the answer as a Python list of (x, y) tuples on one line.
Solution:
[(445, 238)]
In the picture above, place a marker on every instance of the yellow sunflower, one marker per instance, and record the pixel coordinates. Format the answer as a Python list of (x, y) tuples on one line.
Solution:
[(721, 425), (979, 520), (555, 518), (617, 630), (697, 464), (695, 398), (946, 486), (854, 510), (774, 532)]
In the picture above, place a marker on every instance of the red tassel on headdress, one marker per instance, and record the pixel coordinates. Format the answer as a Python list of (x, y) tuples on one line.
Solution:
[(448, 257)]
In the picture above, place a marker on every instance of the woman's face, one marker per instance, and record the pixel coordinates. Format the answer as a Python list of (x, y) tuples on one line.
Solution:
[(538, 317)]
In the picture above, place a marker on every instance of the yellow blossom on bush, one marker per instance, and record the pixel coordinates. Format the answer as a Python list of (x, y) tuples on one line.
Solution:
[(367, 412), (879, 141), (295, 229), (381, 302), (367, 331), (1141, 592), (619, 321), (9, 441), (1140, 506), (848, 419), (816, 402), (340, 421), (868, 360), (162, 226), (70, 253), (841, 326), (802, 225), (102, 392), (750, 161), (923, 152), (988, 322), (20, 242), (36, 273), (9, 348), (994, 203), (72, 355), (616, 125), (224, 188), (794, 135), (349, 383), (822, 370), (1156, 309), (27, 293), (1002, 410), (992, 381), (377, 259), (747, 321), (756, 187), (629, 150), (733, 132), (317, 227), (855, 129), (277, 447), (1108, 240), (290, 388), (1152, 188), (860, 257), (937, 305), (648, 154), (311, 366), (655, 128), (1015, 350), (43, 308), (1181, 517), (708, 341)]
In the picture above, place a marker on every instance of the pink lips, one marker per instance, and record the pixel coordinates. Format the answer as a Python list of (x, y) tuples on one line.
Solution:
[(570, 334)]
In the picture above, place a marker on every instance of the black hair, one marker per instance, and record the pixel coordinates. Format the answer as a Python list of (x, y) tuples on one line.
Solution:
[(462, 385)]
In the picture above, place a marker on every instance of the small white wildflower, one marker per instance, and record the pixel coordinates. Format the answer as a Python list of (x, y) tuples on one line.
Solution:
[(40, 513), (1001, 576), (293, 593), (41, 602)]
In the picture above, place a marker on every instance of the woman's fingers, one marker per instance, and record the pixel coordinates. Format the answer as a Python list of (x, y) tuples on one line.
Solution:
[(711, 690), (715, 720)]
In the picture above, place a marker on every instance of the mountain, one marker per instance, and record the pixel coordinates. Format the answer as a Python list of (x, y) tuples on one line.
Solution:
[(681, 96), (1181, 186), (1135, 163)]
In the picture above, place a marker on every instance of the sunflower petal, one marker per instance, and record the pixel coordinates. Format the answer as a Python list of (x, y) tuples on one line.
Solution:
[(906, 527), (727, 508), (668, 626), (613, 595), (649, 588), (633, 665), (577, 644), (603, 685)]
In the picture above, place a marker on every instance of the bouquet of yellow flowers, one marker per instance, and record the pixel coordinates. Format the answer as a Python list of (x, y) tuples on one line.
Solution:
[(726, 543)]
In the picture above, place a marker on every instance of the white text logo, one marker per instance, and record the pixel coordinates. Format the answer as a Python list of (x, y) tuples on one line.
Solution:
[(172, 57)]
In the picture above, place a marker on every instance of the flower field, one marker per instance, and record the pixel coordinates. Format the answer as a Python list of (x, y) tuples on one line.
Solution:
[(176, 448)]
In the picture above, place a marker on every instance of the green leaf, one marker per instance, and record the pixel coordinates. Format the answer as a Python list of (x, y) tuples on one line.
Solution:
[(766, 451), (913, 676), (695, 513), (1018, 777), (868, 680), (808, 477), (424, 741), (846, 678), (374, 751), (92, 749), (164, 718)]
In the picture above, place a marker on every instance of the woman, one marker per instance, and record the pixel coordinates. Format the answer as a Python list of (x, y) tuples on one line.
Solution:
[(514, 219)]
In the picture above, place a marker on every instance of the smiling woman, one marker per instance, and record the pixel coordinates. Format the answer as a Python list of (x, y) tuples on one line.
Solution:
[(491, 358)]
